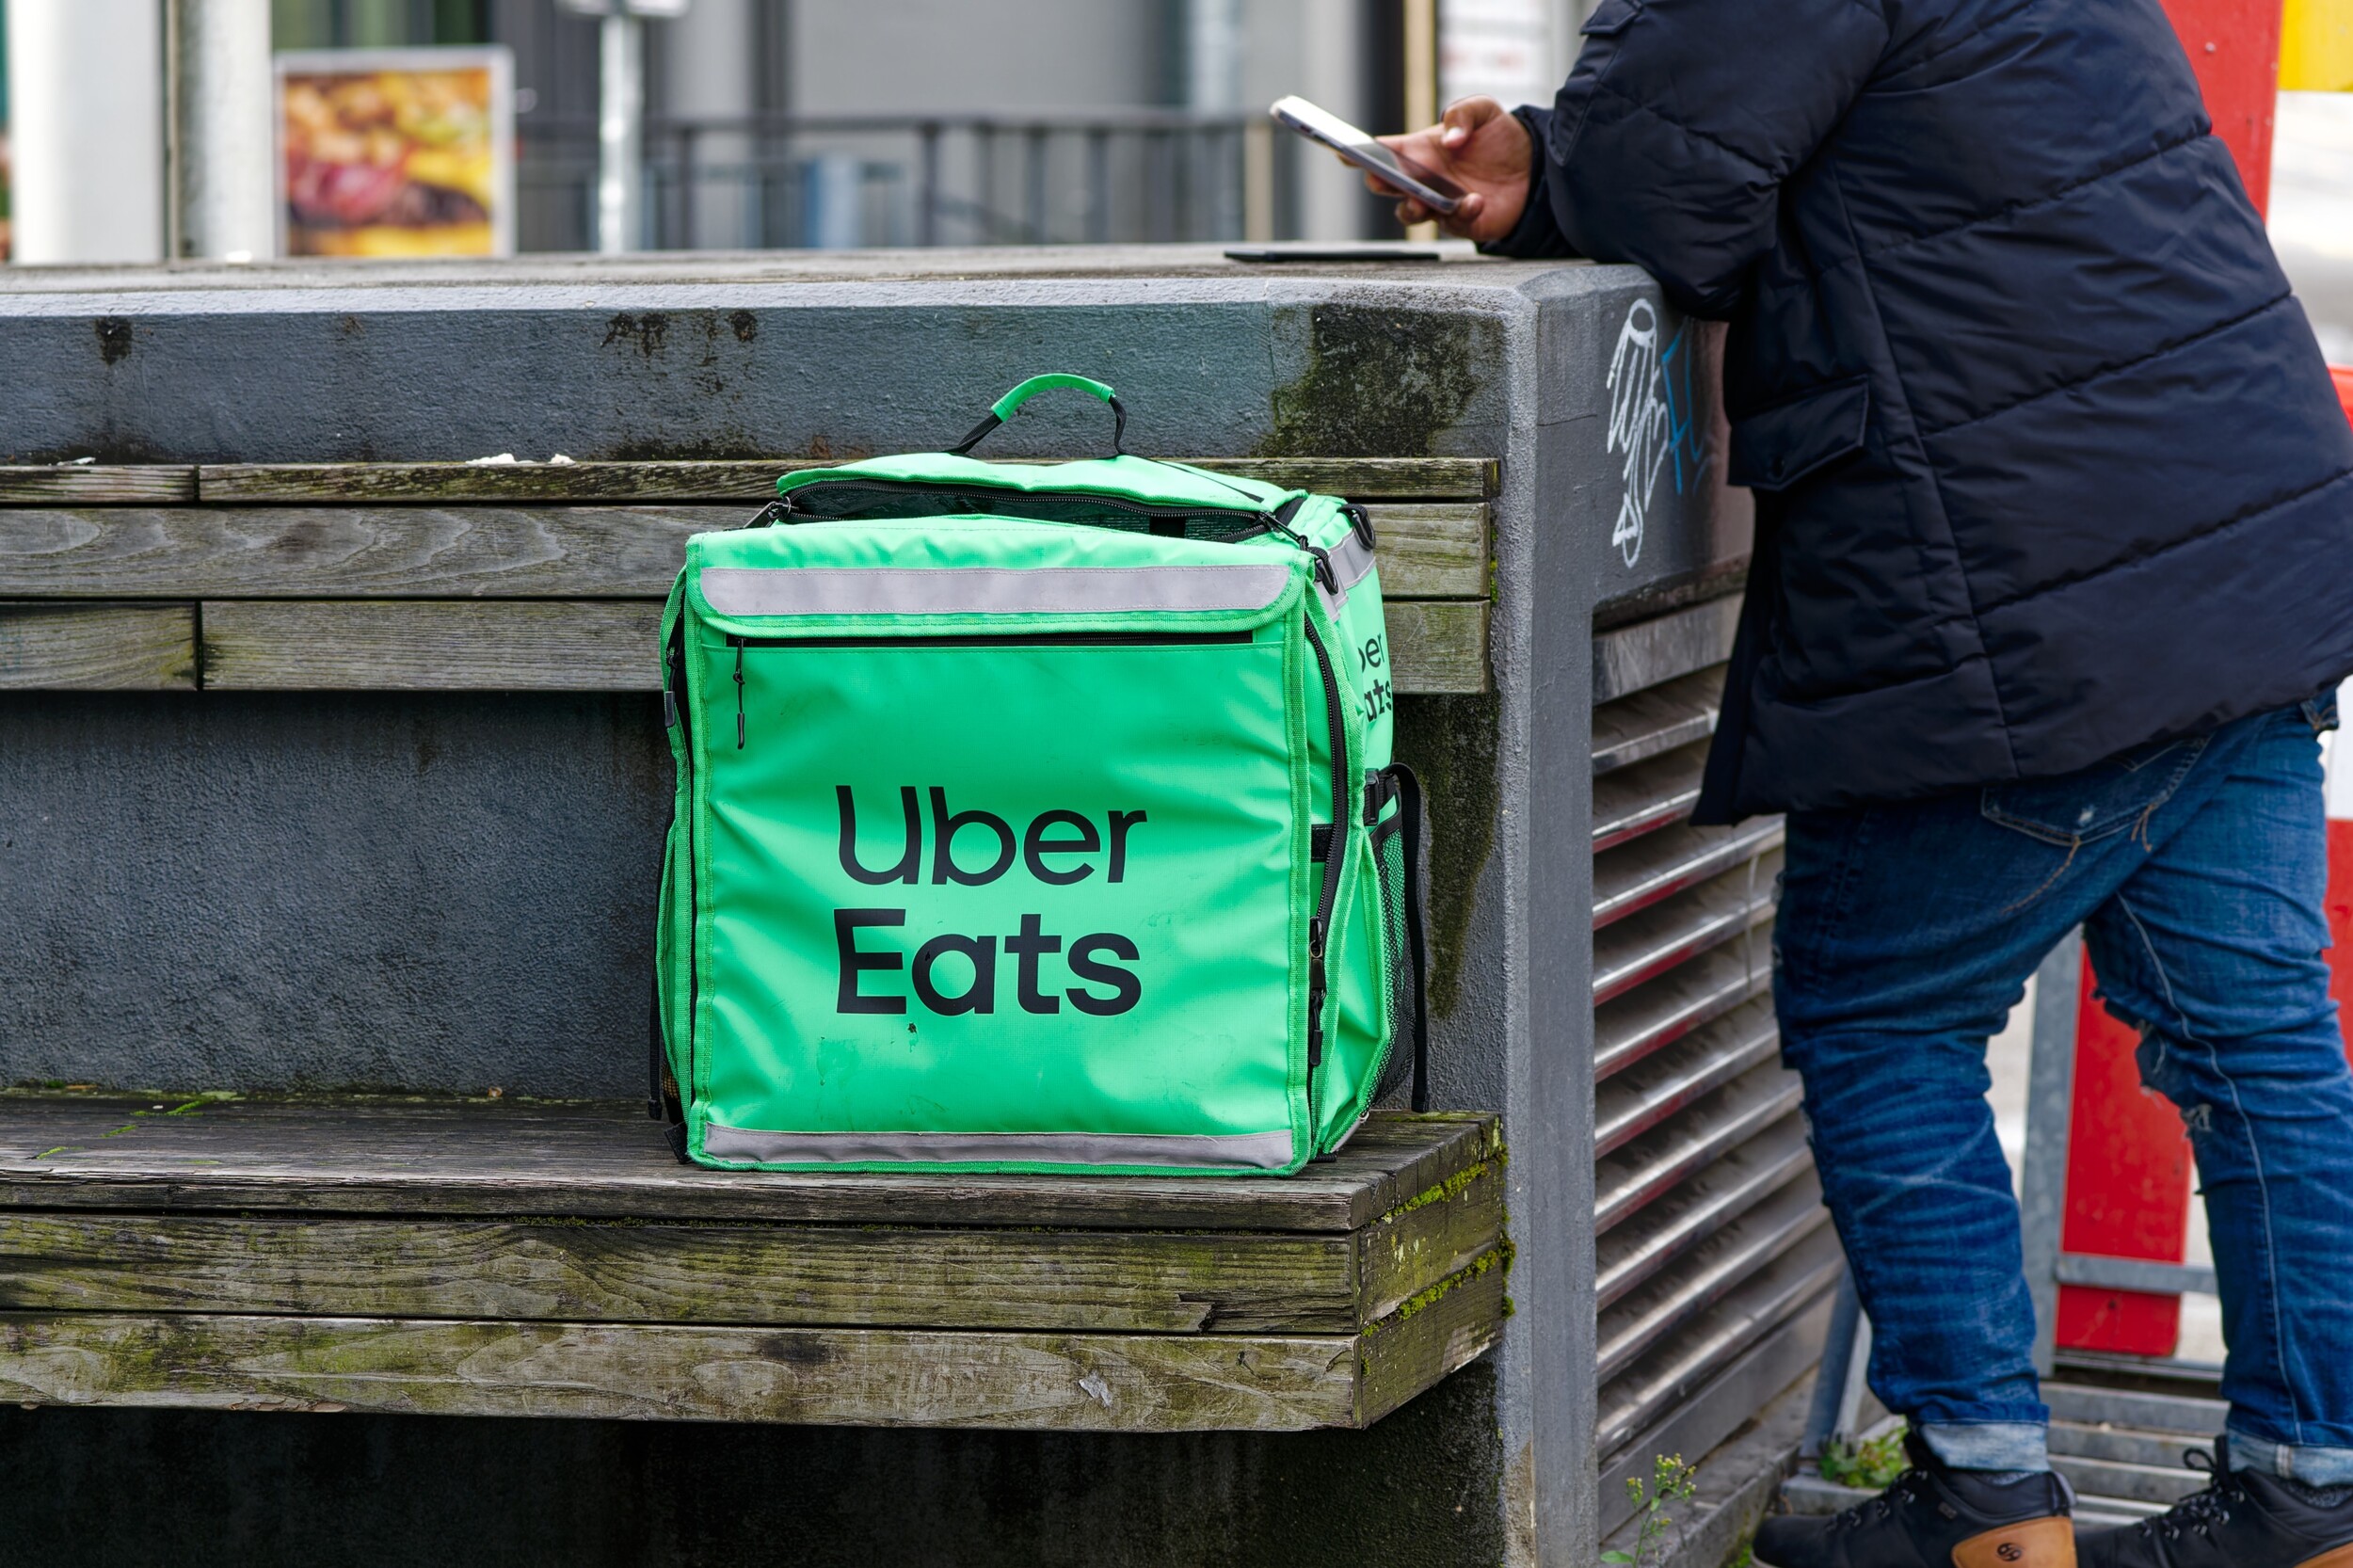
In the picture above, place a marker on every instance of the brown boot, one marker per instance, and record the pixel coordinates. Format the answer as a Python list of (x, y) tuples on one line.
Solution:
[(1935, 1517)]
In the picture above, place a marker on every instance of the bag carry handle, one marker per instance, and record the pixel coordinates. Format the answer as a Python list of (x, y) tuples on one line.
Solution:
[(1007, 405)]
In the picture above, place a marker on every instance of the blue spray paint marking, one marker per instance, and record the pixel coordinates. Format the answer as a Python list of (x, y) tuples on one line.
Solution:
[(1683, 428)]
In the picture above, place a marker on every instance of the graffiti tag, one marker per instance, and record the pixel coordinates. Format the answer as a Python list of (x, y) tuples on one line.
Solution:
[(1653, 419)]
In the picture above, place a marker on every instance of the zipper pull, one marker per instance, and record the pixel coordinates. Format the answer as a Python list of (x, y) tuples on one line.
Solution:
[(738, 692), (1315, 992), (1324, 574)]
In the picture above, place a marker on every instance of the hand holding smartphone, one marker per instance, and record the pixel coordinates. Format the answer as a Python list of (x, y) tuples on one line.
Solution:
[(1471, 172), (1401, 174)]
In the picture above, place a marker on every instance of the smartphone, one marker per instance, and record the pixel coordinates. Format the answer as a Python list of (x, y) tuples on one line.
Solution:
[(1401, 174)]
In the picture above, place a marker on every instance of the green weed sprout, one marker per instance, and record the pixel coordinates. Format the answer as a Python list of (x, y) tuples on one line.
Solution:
[(1672, 1481), (1872, 1467)]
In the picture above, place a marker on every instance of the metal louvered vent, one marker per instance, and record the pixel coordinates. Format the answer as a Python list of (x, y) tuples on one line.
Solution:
[(1716, 1257)]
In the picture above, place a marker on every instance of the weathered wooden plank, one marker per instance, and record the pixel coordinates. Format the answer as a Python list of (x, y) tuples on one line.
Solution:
[(53, 647), (1439, 645), (1369, 478), (802, 1276), (98, 485), (1358, 478), (834, 1275), (607, 646), (831, 1377), (503, 551), (1437, 1333), (1429, 1239), (750, 482), (847, 1276), (434, 644), (1429, 551), (354, 1156), (345, 553)]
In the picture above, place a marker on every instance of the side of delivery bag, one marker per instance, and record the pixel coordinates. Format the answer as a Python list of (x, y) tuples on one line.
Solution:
[(1034, 818)]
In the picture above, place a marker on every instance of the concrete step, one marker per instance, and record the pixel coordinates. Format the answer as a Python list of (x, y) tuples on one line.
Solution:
[(2159, 1485), (2165, 1451), (2184, 1414)]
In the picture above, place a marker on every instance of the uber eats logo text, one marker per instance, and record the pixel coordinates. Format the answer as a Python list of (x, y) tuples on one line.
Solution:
[(1060, 849)]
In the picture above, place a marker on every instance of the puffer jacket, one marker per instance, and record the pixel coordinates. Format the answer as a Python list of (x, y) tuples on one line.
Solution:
[(2047, 460)]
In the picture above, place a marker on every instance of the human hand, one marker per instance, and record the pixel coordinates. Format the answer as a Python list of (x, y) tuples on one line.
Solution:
[(1480, 146)]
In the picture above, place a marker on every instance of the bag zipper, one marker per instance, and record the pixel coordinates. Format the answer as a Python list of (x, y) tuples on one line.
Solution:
[(1320, 924), (783, 510), (1333, 840), (680, 712), (1007, 639)]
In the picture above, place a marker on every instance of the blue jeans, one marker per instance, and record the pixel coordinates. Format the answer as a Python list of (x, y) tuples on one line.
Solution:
[(1907, 934)]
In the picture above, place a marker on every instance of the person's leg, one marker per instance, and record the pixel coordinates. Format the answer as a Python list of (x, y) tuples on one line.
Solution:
[(1906, 935), (2213, 949)]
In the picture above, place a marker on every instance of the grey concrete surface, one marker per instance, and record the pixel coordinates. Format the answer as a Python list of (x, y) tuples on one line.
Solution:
[(294, 892), (748, 356), (446, 893)]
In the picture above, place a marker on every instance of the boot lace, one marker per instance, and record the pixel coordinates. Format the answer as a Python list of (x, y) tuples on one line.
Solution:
[(1905, 1492), (2201, 1512)]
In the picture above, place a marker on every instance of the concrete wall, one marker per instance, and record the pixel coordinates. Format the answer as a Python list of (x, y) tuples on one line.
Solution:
[(260, 1491), (445, 893)]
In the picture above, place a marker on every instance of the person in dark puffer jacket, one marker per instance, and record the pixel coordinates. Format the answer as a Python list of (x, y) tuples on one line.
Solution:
[(2054, 580)]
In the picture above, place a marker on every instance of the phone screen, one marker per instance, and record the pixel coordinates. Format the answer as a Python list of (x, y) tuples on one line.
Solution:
[(1401, 174)]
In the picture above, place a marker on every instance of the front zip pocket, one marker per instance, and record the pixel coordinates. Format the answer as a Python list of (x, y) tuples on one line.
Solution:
[(988, 886)]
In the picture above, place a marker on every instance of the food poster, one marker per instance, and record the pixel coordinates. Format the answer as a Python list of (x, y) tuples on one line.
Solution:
[(397, 153)]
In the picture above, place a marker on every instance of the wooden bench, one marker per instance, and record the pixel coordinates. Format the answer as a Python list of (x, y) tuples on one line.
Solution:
[(491, 1258), (500, 1258), (518, 577)]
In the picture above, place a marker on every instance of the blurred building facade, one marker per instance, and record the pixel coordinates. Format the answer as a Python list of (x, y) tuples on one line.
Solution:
[(868, 122), (837, 123), (844, 123)]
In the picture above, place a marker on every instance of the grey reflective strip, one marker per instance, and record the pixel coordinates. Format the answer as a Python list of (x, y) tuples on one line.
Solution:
[(988, 590), (1351, 563), (1256, 1151)]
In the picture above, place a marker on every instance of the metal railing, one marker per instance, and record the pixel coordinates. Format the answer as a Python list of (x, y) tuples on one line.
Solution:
[(835, 182)]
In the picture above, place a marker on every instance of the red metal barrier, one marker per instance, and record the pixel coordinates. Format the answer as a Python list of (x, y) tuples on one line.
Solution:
[(2128, 1162), (2234, 46)]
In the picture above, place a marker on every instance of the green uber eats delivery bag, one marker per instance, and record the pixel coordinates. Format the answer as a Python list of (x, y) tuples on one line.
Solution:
[(1034, 818)]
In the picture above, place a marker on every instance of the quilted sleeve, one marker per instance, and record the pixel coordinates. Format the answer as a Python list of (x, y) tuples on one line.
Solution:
[(1669, 144)]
